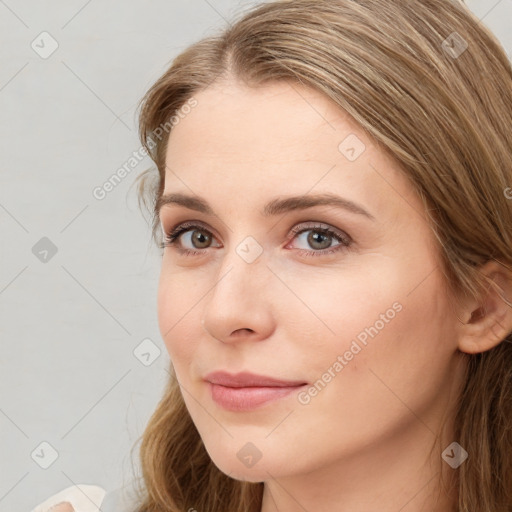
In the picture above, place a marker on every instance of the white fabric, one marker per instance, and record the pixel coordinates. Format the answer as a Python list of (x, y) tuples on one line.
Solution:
[(83, 498)]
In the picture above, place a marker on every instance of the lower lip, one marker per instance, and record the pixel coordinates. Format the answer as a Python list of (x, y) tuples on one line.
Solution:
[(245, 399)]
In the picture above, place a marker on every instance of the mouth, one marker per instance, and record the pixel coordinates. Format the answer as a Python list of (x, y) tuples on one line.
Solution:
[(246, 399), (247, 391)]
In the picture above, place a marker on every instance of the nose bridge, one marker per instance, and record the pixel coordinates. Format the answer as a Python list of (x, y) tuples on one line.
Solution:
[(242, 269), (239, 298)]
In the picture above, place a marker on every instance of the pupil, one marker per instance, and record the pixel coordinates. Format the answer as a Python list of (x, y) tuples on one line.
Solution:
[(200, 237), (314, 237)]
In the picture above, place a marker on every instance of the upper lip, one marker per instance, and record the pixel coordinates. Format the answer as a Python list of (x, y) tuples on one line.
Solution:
[(247, 379)]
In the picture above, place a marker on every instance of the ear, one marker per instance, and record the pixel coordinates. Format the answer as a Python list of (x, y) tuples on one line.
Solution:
[(486, 322)]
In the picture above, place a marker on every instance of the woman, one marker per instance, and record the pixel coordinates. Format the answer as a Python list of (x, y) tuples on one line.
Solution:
[(334, 199)]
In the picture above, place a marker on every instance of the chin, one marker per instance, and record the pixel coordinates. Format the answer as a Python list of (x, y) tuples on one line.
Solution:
[(252, 475), (235, 466)]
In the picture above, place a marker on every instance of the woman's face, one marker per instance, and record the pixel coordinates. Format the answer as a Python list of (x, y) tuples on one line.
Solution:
[(359, 313)]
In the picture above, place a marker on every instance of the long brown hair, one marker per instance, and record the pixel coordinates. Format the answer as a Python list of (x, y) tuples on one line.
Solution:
[(433, 87)]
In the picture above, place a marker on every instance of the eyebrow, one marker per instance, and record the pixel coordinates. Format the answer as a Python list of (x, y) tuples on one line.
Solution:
[(274, 207)]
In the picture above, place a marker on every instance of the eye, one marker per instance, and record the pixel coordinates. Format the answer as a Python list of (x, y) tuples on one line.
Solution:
[(200, 238), (193, 234), (320, 238)]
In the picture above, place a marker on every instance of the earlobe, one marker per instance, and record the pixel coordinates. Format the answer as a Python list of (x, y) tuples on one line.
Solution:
[(488, 321)]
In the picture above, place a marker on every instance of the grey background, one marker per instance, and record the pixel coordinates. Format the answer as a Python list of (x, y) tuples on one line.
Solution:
[(70, 322)]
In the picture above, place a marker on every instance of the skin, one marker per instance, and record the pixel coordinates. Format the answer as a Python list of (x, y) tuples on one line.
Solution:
[(363, 442), (62, 507)]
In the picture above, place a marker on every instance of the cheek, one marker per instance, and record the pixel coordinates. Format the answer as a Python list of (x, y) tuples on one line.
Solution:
[(338, 304), (178, 319), (383, 316), (394, 349)]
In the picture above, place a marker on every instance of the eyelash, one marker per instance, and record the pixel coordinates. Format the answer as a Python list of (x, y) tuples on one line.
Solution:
[(171, 239)]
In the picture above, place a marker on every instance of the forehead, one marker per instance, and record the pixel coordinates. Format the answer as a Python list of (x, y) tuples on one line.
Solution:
[(281, 138), (277, 120)]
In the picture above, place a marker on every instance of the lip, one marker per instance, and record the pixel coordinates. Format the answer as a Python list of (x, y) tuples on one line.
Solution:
[(248, 379), (246, 391)]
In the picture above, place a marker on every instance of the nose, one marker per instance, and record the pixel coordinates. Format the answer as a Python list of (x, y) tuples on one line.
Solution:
[(239, 306)]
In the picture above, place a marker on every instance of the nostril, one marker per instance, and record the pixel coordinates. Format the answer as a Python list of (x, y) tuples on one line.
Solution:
[(243, 331)]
